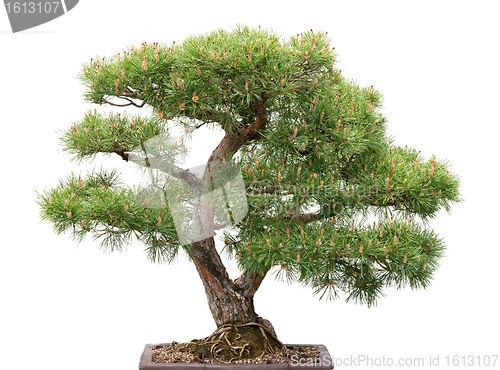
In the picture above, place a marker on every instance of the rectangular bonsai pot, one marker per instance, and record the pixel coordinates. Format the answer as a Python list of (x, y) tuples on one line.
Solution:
[(324, 362)]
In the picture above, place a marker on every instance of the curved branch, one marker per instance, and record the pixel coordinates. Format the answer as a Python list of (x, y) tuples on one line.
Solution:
[(248, 283), (130, 93), (124, 105), (231, 143)]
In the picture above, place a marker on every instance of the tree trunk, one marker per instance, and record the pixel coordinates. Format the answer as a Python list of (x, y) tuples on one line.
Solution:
[(229, 301)]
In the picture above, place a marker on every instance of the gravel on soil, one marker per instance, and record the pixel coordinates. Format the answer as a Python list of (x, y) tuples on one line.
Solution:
[(178, 354)]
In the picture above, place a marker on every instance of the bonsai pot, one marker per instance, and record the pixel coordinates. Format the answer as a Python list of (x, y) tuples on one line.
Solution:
[(324, 362)]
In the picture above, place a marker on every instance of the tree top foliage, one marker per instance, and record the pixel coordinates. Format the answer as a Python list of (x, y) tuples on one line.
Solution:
[(312, 147)]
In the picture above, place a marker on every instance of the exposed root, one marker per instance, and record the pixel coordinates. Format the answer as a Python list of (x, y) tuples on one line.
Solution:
[(235, 341)]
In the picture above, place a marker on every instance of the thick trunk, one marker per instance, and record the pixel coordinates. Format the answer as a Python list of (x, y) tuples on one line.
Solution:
[(229, 301)]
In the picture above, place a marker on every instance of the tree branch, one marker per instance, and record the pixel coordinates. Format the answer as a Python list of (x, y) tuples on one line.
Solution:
[(213, 116), (231, 143), (268, 189), (171, 169), (118, 149), (124, 105), (248, 283), (305, 217)]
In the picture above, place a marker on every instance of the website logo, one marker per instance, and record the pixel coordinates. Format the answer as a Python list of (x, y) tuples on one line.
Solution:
[(28, 14)]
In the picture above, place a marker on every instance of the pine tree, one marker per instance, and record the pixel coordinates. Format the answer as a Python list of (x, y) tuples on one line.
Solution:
[(331, 201)]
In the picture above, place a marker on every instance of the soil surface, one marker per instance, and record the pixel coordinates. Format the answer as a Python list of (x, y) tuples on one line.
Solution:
[(179, 353)]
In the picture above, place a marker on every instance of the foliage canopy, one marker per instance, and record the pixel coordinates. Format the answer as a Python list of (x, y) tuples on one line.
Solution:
[(333, 203)]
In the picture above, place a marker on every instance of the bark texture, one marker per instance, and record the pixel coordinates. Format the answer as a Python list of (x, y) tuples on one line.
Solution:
[(229, 301)]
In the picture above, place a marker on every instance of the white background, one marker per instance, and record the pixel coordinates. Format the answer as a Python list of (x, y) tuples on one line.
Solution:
[(69, 306)]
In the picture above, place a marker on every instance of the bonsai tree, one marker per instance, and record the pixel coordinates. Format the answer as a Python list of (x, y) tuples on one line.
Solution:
[(324, 198)]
